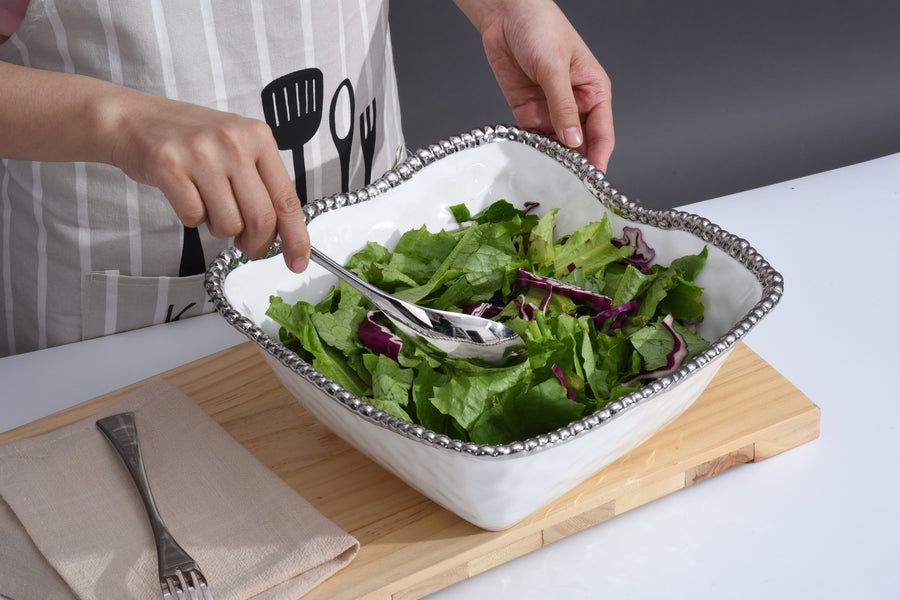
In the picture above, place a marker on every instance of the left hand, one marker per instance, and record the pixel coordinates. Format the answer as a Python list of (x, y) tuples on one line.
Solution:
[(548, 75)]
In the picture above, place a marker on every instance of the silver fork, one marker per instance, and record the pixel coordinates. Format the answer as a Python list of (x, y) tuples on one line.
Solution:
[(178, 572)]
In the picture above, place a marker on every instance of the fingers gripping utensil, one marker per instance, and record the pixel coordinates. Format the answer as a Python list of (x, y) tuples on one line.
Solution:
[(292, 105), (178, 572), (459, 335), (343, 144)]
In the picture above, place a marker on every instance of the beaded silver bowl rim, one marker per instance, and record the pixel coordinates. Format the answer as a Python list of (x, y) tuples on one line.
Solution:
[(597, 183)]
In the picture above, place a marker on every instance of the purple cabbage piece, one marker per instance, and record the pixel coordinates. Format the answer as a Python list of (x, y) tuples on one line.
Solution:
[(526, 309), (529, 279), (614, 312), (615, 325), (674, 359), (545, 300), (530, 206), (642, 255), (483, 309), (378, 338), (570, 393)]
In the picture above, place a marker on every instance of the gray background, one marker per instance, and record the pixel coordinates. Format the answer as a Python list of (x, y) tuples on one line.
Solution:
[(709, 97)]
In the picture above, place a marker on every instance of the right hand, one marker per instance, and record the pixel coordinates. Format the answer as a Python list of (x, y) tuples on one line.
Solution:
[(217, 168), (214, 167)]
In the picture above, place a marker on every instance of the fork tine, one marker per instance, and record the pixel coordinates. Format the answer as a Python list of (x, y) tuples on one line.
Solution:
[(367, 121), (174, 583), (201, 583), (167, 594), (207, 595), (191, 578)]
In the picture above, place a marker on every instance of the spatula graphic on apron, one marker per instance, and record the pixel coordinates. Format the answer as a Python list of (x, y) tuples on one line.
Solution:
[(292, 105)]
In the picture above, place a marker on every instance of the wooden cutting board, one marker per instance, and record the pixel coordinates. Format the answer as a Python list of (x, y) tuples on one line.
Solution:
[(411, 546)]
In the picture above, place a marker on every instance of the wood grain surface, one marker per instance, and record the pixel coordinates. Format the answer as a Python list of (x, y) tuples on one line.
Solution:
[(411, 546)]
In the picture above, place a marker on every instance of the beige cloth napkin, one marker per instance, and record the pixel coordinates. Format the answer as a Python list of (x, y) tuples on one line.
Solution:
[(72, 524)]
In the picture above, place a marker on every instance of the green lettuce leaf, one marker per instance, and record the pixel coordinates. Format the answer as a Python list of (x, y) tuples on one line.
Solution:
[(391, 385), (543, 408), (331, 362), (467, 394)]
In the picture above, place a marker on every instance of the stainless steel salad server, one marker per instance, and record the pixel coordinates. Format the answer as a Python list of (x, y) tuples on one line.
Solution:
[(458, 335), (178, 572)]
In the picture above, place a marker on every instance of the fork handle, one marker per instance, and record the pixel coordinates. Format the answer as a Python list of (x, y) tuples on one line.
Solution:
[(121, 431)]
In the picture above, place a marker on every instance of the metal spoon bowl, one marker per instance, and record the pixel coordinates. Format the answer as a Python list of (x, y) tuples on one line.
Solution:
[(458, 335)]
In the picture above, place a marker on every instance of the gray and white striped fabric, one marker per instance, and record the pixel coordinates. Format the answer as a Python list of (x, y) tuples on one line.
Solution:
[(84, 250)]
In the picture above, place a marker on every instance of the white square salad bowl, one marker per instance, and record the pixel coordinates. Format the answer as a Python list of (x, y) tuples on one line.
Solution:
[(494, 487)]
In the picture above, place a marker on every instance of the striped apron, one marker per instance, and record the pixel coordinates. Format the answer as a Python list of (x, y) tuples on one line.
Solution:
[(84, 250)]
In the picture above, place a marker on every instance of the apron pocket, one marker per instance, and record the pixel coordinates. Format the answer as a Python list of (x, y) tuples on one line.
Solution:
[(112, 303)]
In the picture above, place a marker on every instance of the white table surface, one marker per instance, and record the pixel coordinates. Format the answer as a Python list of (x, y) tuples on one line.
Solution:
[(819, 521)]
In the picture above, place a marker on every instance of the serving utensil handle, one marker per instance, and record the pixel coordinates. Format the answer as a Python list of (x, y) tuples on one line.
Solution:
[(390, 305)]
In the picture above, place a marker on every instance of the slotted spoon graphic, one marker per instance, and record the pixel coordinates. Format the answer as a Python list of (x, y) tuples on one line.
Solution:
[(292, 105)]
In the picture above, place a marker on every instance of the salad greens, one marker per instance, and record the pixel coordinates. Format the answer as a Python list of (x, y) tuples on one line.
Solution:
[(597, 319)]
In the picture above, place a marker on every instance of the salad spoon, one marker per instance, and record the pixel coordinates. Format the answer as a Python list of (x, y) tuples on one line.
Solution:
[(457, 334)]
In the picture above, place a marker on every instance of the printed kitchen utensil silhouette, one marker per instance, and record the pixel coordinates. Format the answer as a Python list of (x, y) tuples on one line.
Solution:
[(192, 260), (343, 144), (367, 137), (292, 105)]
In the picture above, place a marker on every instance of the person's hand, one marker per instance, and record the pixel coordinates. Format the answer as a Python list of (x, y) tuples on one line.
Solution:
[(216, 168), (213, 167), (548, 75)]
